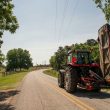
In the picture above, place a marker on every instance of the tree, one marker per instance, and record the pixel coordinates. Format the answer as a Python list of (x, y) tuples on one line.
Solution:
[(91, 42), (58, 60), (104, 5), (27, 60), (8, 22), (18, 59), (12, 59), (52, 62), (2, 58)]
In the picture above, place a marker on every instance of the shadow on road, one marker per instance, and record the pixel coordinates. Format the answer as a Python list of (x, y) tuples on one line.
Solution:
[(4, 98), (6, 107), (91, 95), (6, 94)]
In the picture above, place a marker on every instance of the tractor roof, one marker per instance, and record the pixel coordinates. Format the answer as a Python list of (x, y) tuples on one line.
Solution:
[(76, 51)]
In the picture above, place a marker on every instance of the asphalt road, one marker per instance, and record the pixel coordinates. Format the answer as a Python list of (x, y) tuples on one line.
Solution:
[(40, 92)]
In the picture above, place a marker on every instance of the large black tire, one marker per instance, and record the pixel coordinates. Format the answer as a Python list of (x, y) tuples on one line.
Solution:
[(61, 80), (71, 80)]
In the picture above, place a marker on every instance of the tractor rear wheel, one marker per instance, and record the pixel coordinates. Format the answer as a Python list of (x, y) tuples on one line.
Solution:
[(71, 80), (61, 80)]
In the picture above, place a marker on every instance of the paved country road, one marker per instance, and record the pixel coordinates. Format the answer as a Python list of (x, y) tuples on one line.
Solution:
[(40, 92)]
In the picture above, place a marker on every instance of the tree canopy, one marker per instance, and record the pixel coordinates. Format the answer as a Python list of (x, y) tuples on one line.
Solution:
[(104, 5), (8, 22), (58, 60), (18, 59)]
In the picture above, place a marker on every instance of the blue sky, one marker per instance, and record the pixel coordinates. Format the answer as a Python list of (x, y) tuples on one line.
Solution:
[(42, 30)]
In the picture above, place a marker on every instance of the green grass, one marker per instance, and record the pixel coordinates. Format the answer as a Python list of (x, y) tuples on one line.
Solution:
[(11, 81), (51, 72)]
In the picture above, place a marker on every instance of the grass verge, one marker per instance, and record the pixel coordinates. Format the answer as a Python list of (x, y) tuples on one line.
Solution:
[(51, 72), (11, 81)]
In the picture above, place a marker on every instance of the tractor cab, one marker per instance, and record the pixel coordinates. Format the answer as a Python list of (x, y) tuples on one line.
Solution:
[(81, 72), (79, 57)]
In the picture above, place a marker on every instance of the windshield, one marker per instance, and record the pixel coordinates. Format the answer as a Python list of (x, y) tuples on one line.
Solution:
[(83, 58)]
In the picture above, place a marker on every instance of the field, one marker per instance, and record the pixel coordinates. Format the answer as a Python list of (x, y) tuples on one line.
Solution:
[(11, 81)]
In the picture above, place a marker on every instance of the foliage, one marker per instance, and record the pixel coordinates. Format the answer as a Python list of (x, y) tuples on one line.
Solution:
[(8, 22), (18, 59), (2, 58), (58, 60), (104, 5), (91, 42)]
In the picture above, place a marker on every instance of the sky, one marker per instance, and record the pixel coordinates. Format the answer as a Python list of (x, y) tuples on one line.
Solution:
[(47, 24)]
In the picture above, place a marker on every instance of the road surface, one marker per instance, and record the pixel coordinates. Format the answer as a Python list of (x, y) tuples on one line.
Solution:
[(40, 92)]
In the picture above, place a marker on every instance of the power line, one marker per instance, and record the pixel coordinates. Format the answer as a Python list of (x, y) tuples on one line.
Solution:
[(73, 14), (56, 18), (63, 18), (64, 15)]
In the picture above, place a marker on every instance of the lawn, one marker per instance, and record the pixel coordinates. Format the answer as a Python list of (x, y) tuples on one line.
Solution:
[(51, 72), (11, 81)]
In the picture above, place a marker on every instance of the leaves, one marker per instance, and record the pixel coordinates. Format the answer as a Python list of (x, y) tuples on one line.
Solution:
[(58, 60), (2, 58), (104, 5), (8, 22), (18, 59)]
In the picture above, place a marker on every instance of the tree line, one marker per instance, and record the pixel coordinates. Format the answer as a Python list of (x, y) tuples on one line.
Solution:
[(9, 22), (58, 60)]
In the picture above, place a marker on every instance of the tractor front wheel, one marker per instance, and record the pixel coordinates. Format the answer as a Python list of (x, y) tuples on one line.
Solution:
[(71, 80), (61, 80)]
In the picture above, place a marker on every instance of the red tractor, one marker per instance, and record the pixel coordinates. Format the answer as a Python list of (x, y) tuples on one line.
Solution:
[(81, 72)]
